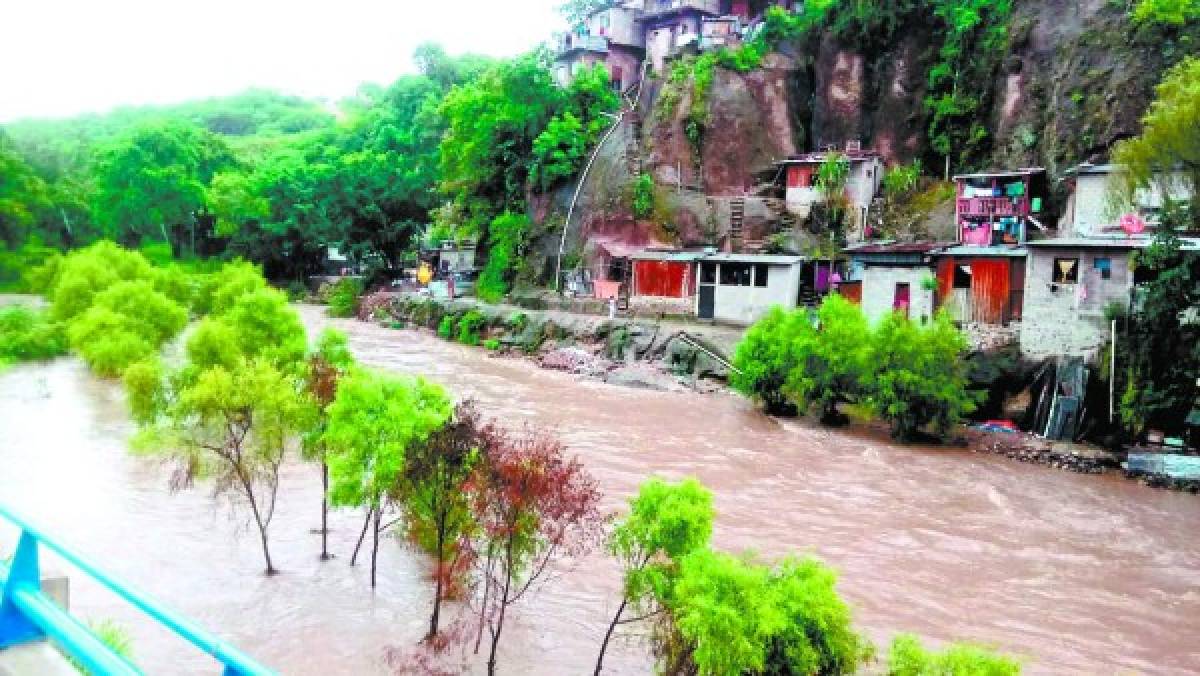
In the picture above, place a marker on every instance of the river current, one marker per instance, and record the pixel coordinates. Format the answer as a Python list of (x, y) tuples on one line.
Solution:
[(1076, 574)]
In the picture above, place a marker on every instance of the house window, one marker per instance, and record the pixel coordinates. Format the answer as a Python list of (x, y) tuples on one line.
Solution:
[(1104, 267), (735, 274), (708, 273), (1066, 270), (962, 276), (761, 272)]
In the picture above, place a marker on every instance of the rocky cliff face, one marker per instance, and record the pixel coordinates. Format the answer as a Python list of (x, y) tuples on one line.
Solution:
[(1075, 77)]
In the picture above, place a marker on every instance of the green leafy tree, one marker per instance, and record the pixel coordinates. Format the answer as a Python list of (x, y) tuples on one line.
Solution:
[(1161, 361), (373, 421), (734, 616), (89, 271), (764, 359), (831, 362), (328, 363), (920, 375), (230, 425), (437, 504), (127, 322), (561, 148), (507, 233), (1169, 144), (666, 522), (491, 124), (1172, 12), (151, 179), (24, 196), (908, 657), (28, 334)]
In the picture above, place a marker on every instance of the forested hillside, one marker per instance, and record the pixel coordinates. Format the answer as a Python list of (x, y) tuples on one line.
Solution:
[(482, 147)]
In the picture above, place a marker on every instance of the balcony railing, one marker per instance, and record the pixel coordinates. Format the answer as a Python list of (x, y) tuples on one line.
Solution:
[(27, 614), (588, 43), (992, 206), (656, 7)]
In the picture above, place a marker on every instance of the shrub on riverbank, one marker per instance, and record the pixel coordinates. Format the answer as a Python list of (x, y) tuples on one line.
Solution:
[(909, 658), (343, 298), (913, 376), (27, 334), (764, 360)]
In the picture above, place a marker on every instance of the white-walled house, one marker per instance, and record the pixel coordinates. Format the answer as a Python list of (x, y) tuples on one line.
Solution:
[(1091, 212), (862, 184), (741, 288)]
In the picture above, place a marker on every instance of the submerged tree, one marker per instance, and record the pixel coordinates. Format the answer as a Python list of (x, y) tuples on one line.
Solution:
[(730, 615), (532, 505), (764, 358), (830, 363), (919, 376), (374, 420), (327, 364), (908, 657), (666, 522), (437, 507), (230, 425)]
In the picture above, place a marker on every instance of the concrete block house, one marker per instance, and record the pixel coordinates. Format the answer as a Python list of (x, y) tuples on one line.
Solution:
[(1090, 213), (741, 288), (1071, 281), (862, 185), (671, 27), (612, 37), (886, 277), (981, 280)]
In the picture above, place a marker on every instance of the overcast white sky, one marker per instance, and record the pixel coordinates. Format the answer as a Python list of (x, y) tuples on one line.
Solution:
[(65, 57)]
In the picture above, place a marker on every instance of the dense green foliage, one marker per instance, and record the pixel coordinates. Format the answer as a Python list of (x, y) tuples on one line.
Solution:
[(735, 616), (908, 657), (1169, 144), (765, 360), (1161, 361), (343, 298), (911, 375), (506, 234), (919, 376), (233, 408), (28, 334), (1172, 12), (372, 421), (830, 360)]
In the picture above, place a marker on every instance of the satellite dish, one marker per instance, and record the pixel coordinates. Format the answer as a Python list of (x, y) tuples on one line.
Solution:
[(1133, 224)]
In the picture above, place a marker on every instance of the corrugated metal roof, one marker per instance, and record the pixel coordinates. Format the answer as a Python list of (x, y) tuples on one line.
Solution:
[(1013, 252), (770, 259), (1011, 173), (895, 247), (1185, 243)]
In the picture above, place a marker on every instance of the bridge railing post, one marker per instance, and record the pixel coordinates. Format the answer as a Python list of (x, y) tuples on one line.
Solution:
[(23, 573)]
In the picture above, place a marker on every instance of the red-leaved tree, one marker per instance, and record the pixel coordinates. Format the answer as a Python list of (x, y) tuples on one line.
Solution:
[(532, 505)]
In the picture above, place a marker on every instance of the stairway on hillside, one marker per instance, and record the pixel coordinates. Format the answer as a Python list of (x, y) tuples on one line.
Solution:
[(737, 218)]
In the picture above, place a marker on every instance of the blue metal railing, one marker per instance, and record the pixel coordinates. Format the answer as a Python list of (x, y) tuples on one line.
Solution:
[(27, 614)]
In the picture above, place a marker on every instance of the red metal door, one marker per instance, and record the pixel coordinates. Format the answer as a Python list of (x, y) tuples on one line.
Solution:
[(989, 289)]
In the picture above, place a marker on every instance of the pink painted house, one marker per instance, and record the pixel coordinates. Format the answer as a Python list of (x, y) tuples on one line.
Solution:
[(997, 208)]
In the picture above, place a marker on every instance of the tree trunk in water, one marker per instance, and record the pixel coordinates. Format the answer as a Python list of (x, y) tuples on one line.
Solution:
[(363, 534), (508, 573), (262, 532), (438, 573), (487, 589), (324, 511), (608, 635), (375, 547)]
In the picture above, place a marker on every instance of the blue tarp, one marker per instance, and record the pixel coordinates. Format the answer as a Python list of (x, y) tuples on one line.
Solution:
[(1165, 464)]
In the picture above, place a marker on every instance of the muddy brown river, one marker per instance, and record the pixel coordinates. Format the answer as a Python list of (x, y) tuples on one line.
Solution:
[(1076, 574)]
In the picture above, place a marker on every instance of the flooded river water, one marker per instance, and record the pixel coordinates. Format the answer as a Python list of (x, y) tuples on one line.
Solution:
[(1077, 574)]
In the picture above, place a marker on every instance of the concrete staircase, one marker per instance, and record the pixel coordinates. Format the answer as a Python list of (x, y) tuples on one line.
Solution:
[(737, 219)]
